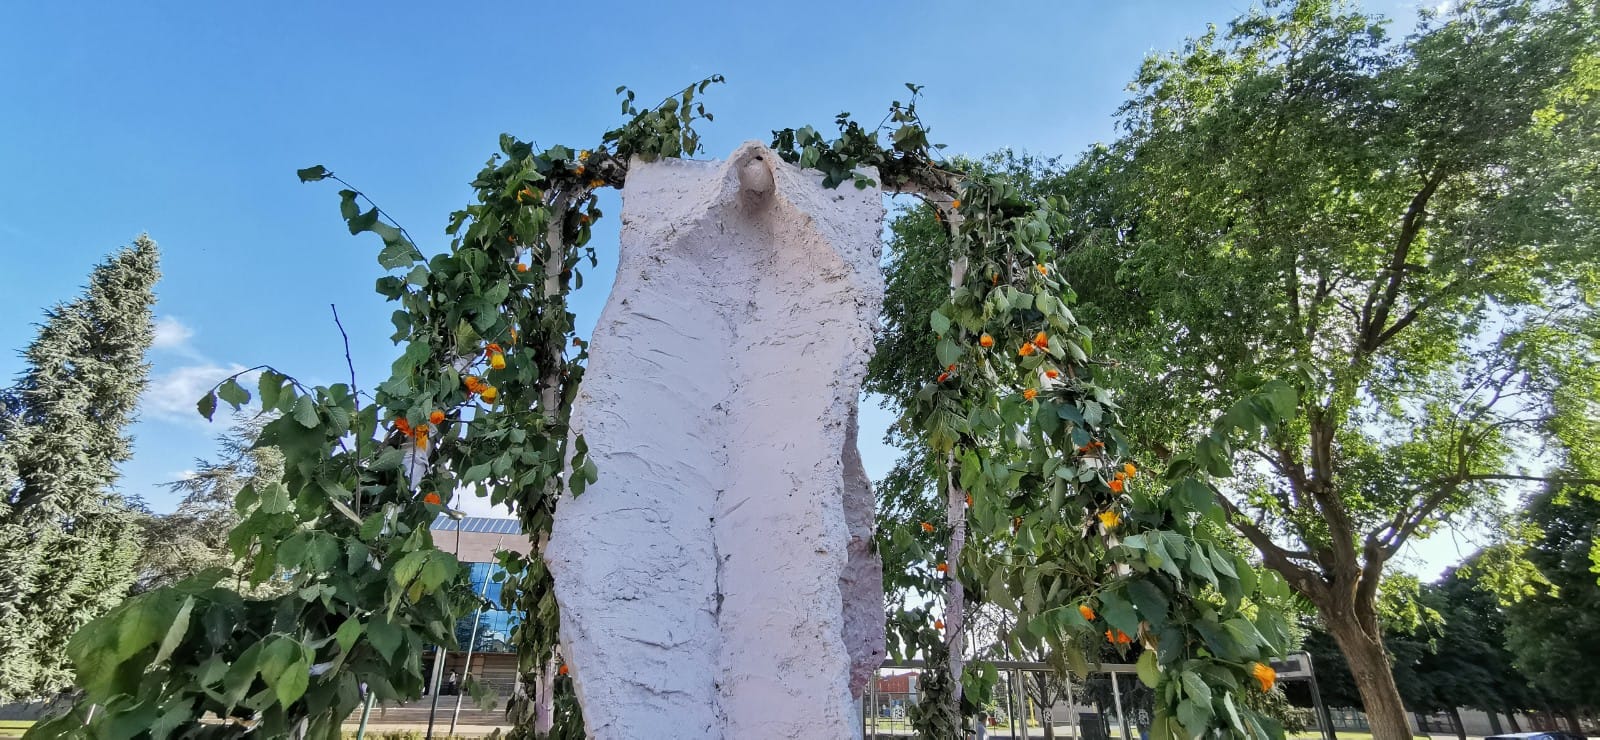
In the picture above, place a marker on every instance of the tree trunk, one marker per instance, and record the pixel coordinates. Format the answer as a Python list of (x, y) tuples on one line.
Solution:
[(1511, 716), (1369, 666), (1494, 722), (1572, 721), (1461, 729)]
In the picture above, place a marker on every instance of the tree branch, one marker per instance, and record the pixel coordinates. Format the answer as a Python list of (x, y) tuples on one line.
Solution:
[(1376, 311)]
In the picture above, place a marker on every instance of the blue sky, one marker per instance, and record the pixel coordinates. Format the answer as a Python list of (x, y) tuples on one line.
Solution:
[(187, 121)]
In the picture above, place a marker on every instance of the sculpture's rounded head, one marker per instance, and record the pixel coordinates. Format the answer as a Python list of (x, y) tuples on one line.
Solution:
[(755, 177)]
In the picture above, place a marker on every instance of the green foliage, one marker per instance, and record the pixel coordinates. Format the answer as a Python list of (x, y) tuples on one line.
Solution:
[(1555, 634), (63, 531), (1014, 415)]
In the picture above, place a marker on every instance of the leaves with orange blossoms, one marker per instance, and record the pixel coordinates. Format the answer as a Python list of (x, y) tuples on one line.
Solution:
[(1052, 374), (1041, 340), (943, 377), (1121, 638), (583, 218), (403, 426), (432, 498), (490, 393), (943, 568), (1043, 270), (436, 418), (1086, 612), (1264, 675), (986, 341), (1116, 485), (521, 268), (969, 500), (491, 349), (938, 624), (422, 441), (1030, 393), (955, 203), (562, 670), (927, 527), (951, 367), (1129, 469), (1026, 349)]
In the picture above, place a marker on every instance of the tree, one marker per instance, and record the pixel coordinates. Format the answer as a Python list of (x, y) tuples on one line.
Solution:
[(194, 537), (1405, 228), (63, 530), (1555, 634)]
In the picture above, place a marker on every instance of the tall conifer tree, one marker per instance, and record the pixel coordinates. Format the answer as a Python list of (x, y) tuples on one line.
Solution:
[(65, 534)]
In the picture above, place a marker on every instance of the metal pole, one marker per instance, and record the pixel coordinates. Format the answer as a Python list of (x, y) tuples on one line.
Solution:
[(1316, 698), (366, 711), (1072, 709), (1116, 693), (439, 655), (472, 643)]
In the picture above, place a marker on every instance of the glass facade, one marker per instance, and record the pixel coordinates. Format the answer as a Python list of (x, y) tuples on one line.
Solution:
[(494, 623)]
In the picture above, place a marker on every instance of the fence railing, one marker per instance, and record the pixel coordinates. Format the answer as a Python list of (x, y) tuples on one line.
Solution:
[(1031, 700)]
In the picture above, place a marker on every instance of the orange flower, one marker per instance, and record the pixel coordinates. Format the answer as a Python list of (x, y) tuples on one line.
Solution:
[(489, 394), (994, 279), (583, 218), (527, 192), (1116, 485), (513, 335), (403, 426), (1041, 340), (422, 441), (1110, 519), (497, 361), (432, 498), (1098, 443), (1121, 638), (943, 377), (938, 624), (473, 384), (1042, 269), (583, 154), (581, 169), (1016, 524), (969, 500), (1119, 475), (955, 203), (1052, 374), (576, 342), (492, 348), (597, 182), (562, 670), (952, 367), (436, 418), (1086, 612), (1264, 675), (521, 267), (1025, 350), (1129, 469), (943, 568), (986, 341), (927, 527), (1028, 394)]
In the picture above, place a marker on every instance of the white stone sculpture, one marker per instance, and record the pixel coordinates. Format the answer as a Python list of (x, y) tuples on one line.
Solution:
[(719, 580)]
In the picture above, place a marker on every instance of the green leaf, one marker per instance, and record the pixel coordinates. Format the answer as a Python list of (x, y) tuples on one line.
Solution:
[(1151, 602), (1197, 691), (1149, 671), (1119, 612), (207, 405), (233, 394), (940, 323), (291, 683), (268, 387), (348, 633), (305, 412), (180, 625), (385, 637), (313, 173), (948, 352)]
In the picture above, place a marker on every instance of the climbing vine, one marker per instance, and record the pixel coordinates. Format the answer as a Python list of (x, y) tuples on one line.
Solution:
[(1046, 517)]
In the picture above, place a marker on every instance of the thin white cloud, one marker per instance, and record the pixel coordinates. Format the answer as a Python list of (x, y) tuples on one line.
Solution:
[(172, 394), (172, 335)]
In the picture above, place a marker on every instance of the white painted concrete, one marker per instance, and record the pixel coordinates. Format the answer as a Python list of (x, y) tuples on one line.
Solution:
[(718, 580)]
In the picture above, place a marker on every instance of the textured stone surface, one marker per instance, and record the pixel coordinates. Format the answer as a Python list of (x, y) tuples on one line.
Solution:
[(718, 581)]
